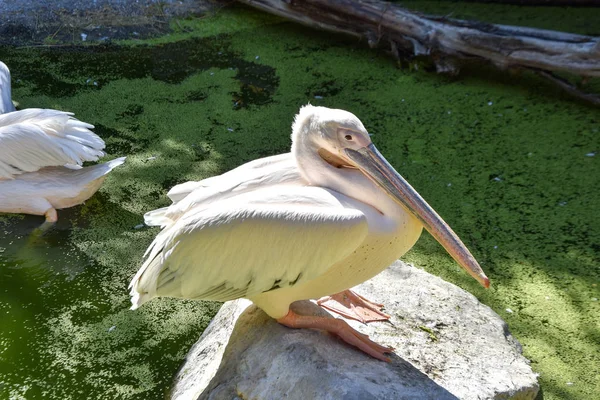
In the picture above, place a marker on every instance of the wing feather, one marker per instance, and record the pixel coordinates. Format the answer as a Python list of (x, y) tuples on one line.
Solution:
[(269, 171), (236, 177), (250, 244), (35, 138)]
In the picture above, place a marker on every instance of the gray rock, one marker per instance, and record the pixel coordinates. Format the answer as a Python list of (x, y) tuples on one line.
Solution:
[(448, 346)]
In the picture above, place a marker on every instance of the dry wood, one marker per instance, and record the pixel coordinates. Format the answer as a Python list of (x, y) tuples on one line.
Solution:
[(447, 41)]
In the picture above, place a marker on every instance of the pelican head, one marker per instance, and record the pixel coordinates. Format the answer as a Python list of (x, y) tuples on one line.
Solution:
[(328, 132), (340, 140)]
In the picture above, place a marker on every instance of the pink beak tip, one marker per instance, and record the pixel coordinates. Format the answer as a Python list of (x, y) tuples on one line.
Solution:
[(486, 282)]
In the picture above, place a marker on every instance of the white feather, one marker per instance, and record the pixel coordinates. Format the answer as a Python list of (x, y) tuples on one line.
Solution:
[(53, 187), (6, 104), (41, 153), (34, 138), (279, 229), (269, 171), (274, 237)]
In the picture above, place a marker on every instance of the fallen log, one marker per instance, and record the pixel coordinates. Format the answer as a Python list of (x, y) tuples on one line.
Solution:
[(449, 42)]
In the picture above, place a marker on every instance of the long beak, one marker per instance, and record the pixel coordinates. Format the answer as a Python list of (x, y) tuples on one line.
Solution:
[(375, 166)]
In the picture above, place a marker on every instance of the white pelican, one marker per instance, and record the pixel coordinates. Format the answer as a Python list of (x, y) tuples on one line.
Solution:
[(312, 223), (41, 152)]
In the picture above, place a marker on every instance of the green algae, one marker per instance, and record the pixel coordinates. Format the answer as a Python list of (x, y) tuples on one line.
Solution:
[(429, 332), (507, 160), (214, 23), (582, 20)]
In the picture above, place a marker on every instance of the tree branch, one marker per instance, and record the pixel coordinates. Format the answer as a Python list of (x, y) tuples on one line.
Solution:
[(447, 41)]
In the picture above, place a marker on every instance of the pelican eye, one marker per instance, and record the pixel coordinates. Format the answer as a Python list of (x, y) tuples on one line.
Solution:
[(348, 137)]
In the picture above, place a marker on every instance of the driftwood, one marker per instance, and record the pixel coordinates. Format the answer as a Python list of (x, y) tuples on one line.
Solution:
[(449, 42)]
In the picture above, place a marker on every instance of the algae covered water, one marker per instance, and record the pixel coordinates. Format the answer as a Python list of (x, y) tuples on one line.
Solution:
[(510, 162)]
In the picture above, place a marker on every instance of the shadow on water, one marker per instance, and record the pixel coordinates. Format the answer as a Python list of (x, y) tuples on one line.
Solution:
[(170, 63), (37, 278)]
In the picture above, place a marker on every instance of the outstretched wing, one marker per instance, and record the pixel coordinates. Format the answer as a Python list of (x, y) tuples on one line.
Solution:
[(250, 244), (36, 138)]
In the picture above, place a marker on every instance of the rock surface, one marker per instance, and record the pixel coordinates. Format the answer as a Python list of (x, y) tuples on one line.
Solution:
[(448, 346)]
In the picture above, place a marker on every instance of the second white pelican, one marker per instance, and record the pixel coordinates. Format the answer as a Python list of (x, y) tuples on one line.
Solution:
[(312, 223), (41, 152)]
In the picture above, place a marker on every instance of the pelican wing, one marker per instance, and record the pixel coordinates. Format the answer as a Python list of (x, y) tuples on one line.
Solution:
[(239, 178), (249, 244), (269, 171), (35, 138)]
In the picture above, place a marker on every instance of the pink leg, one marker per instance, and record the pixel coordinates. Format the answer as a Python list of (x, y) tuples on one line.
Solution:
[(354, 306), (51, 218), (340, 328)]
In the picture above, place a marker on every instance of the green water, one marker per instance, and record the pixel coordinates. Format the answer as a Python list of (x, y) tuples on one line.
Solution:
[(508, 160)]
